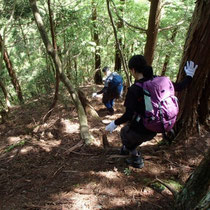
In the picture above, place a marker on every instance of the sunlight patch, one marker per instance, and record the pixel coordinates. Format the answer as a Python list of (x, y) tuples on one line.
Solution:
[(13, 139), (48, 145), (110, 175), (83, 201), (25, 150), (122, 201), (70, 127)]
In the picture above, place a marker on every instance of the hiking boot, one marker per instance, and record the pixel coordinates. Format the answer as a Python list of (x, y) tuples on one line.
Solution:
[(110, 111), (136, 161), (124, 150)]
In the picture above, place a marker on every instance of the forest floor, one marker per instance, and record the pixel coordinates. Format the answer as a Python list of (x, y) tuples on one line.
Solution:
[(46, 166)]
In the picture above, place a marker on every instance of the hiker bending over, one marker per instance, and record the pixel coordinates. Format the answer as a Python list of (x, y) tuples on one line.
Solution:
[(151, 107), (113, 87)]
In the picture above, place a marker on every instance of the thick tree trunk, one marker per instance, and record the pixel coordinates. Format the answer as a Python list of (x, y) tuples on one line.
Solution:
[(196, 49), (11, 71), (152, 31), (84, 130), (196, 188), (98, 76), (204, 106)]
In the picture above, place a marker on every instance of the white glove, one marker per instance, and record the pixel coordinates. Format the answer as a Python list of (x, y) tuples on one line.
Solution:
[(94, 95), (111, 127), (190, 68)]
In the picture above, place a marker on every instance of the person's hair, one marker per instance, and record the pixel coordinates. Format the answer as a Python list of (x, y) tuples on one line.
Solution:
[(139, 64), (105, 69)]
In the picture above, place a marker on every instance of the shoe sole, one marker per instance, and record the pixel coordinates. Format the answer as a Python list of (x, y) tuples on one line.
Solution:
[(135, 165), (138, 166)]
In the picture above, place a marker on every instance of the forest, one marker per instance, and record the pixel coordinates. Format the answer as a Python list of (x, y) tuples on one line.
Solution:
[(54, 150)]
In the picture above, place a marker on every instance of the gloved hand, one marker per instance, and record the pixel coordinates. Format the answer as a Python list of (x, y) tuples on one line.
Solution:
[(190, 68), (111, 127), (94, 95)]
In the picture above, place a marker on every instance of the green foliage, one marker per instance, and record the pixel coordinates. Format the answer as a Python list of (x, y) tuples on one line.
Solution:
[(74, 37), (13, 146), (157, 186), (172, 13), (174, 184), (127, 171)]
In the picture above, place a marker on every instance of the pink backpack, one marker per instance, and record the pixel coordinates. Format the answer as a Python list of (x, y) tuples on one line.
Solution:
[(161, 105)]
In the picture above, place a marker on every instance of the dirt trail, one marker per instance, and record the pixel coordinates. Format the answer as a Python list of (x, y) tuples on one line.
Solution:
[(47, 168)]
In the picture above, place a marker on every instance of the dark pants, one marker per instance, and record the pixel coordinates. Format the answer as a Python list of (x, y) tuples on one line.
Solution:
[(132, 139), (108, 97)]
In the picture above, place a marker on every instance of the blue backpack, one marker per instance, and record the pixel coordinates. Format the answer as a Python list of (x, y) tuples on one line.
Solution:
[(116, 80), (116, 83)]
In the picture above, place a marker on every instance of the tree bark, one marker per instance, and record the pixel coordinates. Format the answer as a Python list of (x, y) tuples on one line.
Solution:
[(204, 106), (196, 49), (98, 76), (168, 55), (120, 25), (55, 99), (118, 45), (196, 188), (11, 71), (87, 106), (8, 105), (152, 31), (84, 130)]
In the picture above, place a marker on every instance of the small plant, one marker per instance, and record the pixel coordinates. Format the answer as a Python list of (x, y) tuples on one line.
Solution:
[(127, 171), (11, 147), (157, 186)]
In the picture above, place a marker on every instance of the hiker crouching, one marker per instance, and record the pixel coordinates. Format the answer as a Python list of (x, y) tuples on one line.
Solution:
[(151, 107)]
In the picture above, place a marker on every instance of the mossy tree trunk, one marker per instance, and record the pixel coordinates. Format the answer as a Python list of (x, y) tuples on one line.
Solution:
[(84, 130), (196, 190)]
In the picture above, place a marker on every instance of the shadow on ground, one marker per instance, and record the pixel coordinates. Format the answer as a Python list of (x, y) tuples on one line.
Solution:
[(46, 167)]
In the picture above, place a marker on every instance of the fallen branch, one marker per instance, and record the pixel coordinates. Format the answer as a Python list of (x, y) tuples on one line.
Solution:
[(79, 153), (117, 156), (174, 192), (79, 144)]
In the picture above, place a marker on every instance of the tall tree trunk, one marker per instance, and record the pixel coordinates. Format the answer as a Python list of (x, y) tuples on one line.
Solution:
[(84, 130), (168, 55), (11, 70), (196, 188), (152, 31), (196, 49), (98, 76), (120, 25)]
